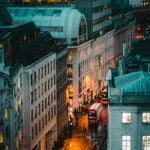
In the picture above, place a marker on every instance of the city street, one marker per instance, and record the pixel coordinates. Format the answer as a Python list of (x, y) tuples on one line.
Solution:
[(84, 138)]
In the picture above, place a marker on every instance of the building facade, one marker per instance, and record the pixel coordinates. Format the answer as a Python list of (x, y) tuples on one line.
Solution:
[(88, 63), (40, 129), (98, 14), (62, 81), (11, 96)]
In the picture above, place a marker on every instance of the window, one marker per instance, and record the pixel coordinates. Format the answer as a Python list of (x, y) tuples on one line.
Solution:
[(46, 119), (38, 74), (32, 115), (43, 122), (52, 97), (45, 69), (39, 125), (35, 93), (35, 112), (35, 77), (45, 86), (32, 133), (146, 117), (42, 106), (31, 97), (31, 79), (54, 64), (6, 147), (45, 103), (51, 81), (51, 66), (1, 137), (39, 91), (42, 89), (6, 113), (48, 68), (126, 143), (35, 129), (39, 109), (146, 142), (54, 80), (48, 100), (42, 73), (48, 84), (126, 117), (49, 115)]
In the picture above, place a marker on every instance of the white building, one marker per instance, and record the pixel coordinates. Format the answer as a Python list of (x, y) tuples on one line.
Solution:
[(39, 105), (89, 62), (129, 109)]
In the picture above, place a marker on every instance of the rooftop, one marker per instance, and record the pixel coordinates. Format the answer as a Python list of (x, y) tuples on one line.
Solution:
[(136, 82), (61, 22)]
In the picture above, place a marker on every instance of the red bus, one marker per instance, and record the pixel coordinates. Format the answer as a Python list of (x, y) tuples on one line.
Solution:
[(94, 113)]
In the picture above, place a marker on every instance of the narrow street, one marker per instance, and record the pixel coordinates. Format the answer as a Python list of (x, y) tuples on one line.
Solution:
[(85, 138)]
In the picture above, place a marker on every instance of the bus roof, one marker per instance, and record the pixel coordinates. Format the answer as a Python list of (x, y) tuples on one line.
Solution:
[(95, 106)]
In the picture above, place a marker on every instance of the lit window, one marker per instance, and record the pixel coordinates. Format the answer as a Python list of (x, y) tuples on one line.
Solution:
[(126, 143), (70, 57), (25, 38), (6, 147), (126, 117), (146, 117), (6, 113), (146, 142), (1, 137), (69, 72)]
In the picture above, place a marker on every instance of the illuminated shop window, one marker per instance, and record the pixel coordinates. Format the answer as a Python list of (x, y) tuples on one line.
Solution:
[(146, 117), (146, 142), (1, 137), (126, 143), (126, 117)]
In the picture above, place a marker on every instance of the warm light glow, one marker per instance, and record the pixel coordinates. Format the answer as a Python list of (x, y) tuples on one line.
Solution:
[(101, 32), (6, 113), (1, 137)]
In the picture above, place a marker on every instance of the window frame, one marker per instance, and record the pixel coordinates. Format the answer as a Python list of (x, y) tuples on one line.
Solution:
[(147, 118), (125, 119), (127, 142)]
